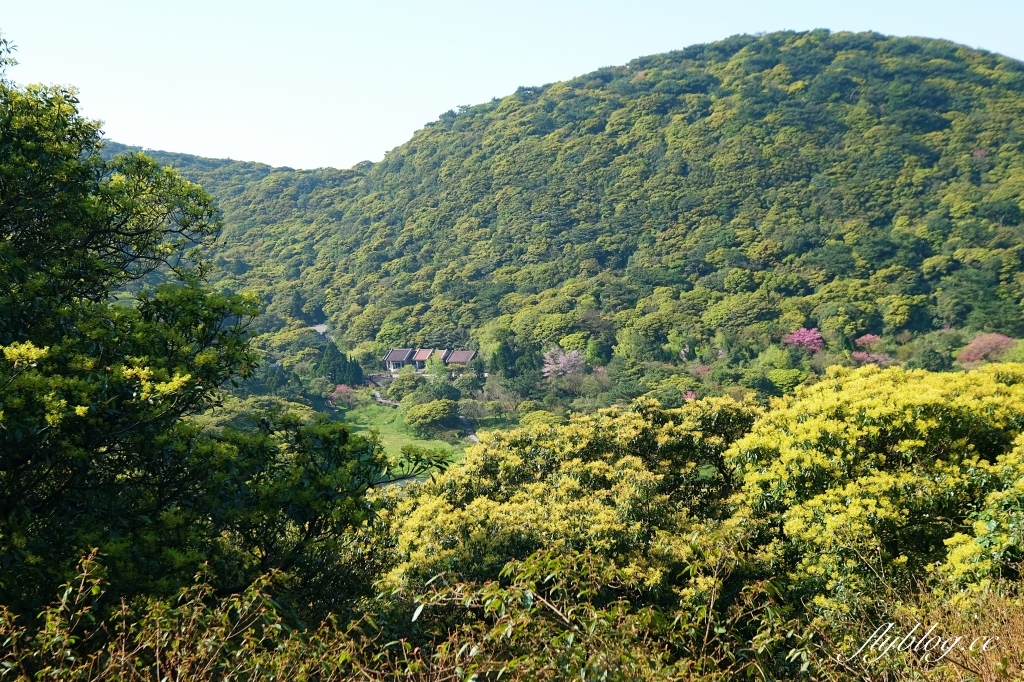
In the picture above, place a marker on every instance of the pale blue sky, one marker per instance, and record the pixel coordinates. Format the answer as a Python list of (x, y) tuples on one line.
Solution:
[(310, 83)]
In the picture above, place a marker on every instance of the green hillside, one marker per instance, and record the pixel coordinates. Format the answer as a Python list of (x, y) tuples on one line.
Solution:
[(672, 219)]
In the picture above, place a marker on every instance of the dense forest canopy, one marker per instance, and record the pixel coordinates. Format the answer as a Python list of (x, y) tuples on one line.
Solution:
[(689, 207)]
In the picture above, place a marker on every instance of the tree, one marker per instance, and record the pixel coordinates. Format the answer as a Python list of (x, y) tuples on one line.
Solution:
[(404, 383), (97, 448), (431, 414), (293, 492), (559, 363), (808, 339), (91, 394), (338, 367), (990, 347)]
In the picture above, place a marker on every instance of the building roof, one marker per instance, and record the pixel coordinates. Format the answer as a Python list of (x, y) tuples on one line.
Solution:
[(398, 355), (460, 357), (422, 355)]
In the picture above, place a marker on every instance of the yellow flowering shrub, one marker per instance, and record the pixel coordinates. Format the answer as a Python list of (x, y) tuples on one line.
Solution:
[(994, 545), (756, 532), (867, 479), (618, 483)]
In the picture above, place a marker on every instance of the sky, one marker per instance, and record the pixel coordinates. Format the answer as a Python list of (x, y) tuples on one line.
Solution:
[(312, 83)]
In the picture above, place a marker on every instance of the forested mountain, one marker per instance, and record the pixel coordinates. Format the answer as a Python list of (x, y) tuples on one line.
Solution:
[(674, 218)]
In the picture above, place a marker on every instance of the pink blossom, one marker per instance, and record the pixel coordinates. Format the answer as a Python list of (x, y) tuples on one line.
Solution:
[(984, 347), (809, 339), (559, 363), (868, 341), (343, 394), (862, 358), (690, 395)]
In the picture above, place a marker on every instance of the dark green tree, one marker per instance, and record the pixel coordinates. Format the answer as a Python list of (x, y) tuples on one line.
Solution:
[(97, 390), (339, 367)]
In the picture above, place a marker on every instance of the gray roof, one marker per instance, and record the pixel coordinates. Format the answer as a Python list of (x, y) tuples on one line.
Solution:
[(398, 355), (460, 357)]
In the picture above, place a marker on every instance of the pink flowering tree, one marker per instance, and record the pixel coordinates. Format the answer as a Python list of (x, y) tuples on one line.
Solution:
[(808, 339), (559, 363), (343, 395), (984, 348), (864, 358), (868, 341)]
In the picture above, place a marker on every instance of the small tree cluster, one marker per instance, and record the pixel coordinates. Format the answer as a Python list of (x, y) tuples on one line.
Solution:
[(339, 367), (864, 358)]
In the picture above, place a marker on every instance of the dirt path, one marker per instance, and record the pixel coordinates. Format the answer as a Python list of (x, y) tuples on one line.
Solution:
[(383, 401), (470, 433)]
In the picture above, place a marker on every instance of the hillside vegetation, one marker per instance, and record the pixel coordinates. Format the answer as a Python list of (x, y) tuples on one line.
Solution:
[(671, 219), (717, 541), (169, 511)]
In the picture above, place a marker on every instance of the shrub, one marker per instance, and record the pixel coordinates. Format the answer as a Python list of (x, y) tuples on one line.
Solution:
[(863, 358), (404, 383), (540, 418), (785, 380), (930, 359), (430, 414)]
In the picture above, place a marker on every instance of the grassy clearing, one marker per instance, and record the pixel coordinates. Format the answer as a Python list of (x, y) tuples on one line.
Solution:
[(394, 434)]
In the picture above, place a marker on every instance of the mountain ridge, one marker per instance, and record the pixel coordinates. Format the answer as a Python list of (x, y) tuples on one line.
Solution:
[(696, 205)]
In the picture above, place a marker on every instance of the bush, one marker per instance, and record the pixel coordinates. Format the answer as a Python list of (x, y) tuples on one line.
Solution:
[(404, 383), (539, 418), (321, 387), (431, 414), (931, 360), (864, 358)]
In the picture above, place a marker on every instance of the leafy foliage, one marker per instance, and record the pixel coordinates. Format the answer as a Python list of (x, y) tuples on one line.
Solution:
[(707, 542), (104, 444), (431, 413)]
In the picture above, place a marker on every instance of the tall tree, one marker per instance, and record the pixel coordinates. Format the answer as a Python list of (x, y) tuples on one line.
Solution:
[(97, 449)]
